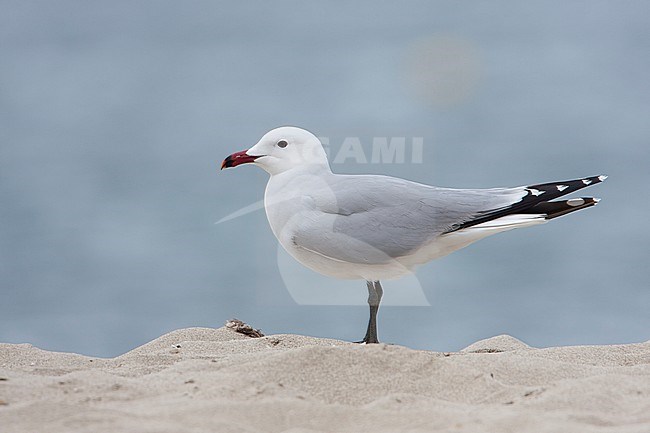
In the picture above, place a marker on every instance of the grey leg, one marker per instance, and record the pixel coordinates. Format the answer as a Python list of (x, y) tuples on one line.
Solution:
[(375, 293)]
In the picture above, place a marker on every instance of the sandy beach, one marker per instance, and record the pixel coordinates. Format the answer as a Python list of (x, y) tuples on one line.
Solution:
[(218, 380)]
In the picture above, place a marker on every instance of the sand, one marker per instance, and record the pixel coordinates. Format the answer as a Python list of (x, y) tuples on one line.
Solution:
[(216, 380)]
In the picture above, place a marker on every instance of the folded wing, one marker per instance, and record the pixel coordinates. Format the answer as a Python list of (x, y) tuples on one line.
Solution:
[(377, 219)]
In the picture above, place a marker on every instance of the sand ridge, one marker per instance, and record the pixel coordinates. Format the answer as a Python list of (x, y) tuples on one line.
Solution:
[(214, 380)]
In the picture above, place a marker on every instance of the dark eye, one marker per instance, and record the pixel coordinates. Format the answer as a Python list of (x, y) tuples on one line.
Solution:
[(282, 144)]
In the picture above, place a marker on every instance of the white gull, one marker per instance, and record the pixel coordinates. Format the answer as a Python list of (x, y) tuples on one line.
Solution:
[(374, 227)]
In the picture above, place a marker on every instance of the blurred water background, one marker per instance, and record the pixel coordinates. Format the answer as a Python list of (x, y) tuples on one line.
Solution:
[(116, 115)]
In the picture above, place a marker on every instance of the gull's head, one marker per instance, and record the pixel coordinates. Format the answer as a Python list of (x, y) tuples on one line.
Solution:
[(282, 149)]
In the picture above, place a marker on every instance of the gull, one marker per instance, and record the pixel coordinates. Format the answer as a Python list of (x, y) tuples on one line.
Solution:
[(373, 227)]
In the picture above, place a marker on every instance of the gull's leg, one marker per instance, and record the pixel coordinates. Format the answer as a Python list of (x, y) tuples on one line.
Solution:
[(375, 293)]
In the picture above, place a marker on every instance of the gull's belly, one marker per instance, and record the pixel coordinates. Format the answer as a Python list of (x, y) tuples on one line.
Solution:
[(286, 226), (336, 268)]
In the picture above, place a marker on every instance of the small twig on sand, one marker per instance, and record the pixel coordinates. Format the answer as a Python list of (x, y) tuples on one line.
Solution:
[(243, 328)]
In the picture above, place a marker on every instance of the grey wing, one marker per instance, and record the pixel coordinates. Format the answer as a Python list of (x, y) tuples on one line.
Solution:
[(376, 219)]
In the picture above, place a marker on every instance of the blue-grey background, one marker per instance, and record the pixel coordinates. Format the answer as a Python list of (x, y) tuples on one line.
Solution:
[(114, 117)]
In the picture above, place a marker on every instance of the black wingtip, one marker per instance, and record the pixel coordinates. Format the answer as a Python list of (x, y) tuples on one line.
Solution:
[(551, 190), (538, 200), (554, 209)]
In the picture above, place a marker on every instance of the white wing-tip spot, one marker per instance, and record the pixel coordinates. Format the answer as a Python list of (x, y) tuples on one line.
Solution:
[(602, 177), (561, 187), (596, 200), (575, 202), (536, 192), (586, 181)]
